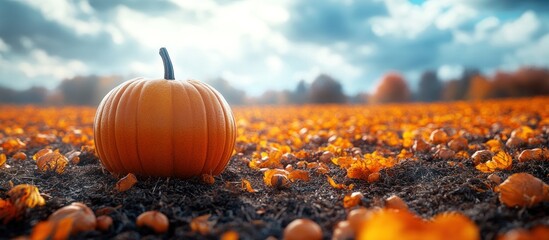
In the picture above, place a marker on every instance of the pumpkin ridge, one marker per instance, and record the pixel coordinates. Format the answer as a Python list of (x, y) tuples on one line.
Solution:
[(187, 168), (121, 118), (137, 126), (154, 137), (114, 111), (223, 158), (232, 128), (105, 138), (97, 128), (217, 155), (207, 137), (214, 157), (129, 115), (173, 127)]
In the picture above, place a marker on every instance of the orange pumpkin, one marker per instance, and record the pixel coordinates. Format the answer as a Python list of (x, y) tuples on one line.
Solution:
[(164, 127)]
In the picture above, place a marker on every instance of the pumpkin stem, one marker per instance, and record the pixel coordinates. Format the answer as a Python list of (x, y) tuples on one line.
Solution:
[(168, 67)]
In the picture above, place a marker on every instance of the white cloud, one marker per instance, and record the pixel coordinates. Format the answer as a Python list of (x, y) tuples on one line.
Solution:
[(274, 63), (483, 30), (455, 16), (533, 54), (490, 31), (409, 20), (26, 42), (447, 72), (39, 63), (67, 13), (518, 31), (4, 47)]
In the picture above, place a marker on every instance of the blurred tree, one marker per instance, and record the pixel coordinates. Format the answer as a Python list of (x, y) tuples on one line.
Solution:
[(430, 87), (527, 81), (479, 88), (392, 89), (360, 98), (33, 95), (232, 95), (450, 90), (7, 95), (87, 90), (325, 89), (299, 95), (464, 82), (272, 97), (79, 90)]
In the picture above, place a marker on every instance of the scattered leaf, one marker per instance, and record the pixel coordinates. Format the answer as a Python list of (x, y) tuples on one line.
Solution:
[(500, 161), (201, 224), (207, 178), (248, 186), (395, 202), (352, 200), (25, 196), (52, 162), (522, 190), (82, 218), (126, 182)]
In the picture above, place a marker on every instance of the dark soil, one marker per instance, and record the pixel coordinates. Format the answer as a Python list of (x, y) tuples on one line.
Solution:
[(428, 186)]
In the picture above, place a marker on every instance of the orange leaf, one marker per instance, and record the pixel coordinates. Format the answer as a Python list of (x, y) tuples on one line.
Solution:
[(523, 190), (268, 175), (19, 156), (207, 178), (338, 185), (52, 161), (8, 211), (25, 196), (2, 159), (41, 153), (352, 199), (500, 161), (42, 230), (73, 156), (248, 186), (298, 174), (63, 229), (126, 182), (229, 235), (201, 224)]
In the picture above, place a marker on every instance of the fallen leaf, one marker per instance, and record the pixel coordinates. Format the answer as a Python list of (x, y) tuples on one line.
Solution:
[(126, 182)]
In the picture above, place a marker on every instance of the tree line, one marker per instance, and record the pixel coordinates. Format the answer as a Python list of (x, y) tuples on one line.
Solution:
[(392, 88)]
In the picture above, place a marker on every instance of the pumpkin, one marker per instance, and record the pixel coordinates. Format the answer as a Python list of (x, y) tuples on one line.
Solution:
[(164, 127), (302, 229), (155, 220)]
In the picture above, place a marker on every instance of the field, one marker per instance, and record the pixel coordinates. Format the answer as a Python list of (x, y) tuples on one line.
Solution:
[(421, 153)]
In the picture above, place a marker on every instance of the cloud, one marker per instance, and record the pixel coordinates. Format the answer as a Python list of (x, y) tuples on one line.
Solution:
[(261, 45), (77, 15), (408, 20), (329, 21), (518, 31), (534, 54), (39, 63), (4, 47)]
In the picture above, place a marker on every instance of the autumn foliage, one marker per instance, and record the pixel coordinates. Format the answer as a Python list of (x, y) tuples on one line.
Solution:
[(347, 150)]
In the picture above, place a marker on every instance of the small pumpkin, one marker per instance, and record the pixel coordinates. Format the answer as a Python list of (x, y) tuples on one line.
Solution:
[(155, 220), (164, 127), (83, 217), (302, 229)]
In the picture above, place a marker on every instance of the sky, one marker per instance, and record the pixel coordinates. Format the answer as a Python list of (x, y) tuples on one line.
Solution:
[(268, 45)]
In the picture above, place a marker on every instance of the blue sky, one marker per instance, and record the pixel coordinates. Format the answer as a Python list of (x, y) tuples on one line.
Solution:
[(260, 45)]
